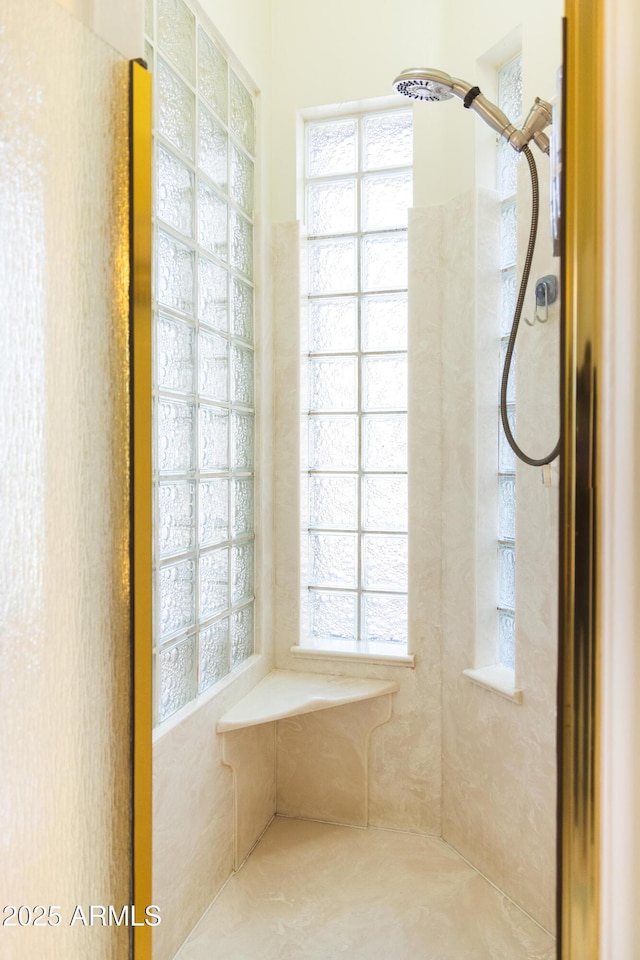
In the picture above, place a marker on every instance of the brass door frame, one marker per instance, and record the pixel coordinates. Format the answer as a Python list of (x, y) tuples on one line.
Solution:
[(579, 673), (140, 145)]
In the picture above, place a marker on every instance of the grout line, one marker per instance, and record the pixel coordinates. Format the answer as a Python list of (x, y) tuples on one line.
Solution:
[(356, 826), (219, 893), (329, 823), (191, 932), (406, 833), (275, 770), (499, 889), (257, 841)]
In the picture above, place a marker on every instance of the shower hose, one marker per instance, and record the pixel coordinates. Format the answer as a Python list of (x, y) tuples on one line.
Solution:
[(535, 207)]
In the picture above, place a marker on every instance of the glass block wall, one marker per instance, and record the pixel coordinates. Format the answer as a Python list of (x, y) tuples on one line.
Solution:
[(510, 101), (204, 155), (358, 186)]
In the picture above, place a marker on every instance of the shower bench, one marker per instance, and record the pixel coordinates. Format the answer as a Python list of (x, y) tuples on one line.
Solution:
[(289, 693), (293, 755)]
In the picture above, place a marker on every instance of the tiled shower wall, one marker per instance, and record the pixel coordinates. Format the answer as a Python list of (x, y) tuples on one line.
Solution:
[(194, 815), (499, 760)]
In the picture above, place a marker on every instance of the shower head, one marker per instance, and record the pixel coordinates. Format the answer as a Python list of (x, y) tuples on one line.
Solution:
[(423, 83)]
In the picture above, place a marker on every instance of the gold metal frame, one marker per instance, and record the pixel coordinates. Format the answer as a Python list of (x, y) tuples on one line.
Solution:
[(579, 681), (141, 504)]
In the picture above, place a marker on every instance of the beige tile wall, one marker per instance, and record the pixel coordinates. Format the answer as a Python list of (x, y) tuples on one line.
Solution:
[(194, 815), (251, 754), (499, 772), (323, 762)]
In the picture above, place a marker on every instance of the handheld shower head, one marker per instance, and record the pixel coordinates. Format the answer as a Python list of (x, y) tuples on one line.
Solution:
[(423, 83)]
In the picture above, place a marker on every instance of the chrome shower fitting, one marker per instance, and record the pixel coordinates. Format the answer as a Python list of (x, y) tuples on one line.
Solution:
[(422, 83)]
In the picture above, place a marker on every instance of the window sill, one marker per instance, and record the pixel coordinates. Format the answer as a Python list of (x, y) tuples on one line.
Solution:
[(497, 678), (386, 658), (288, 693)]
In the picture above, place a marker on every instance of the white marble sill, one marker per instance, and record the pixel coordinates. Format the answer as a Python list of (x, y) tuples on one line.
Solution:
[(289, 693), (388, 659), (496, 678)]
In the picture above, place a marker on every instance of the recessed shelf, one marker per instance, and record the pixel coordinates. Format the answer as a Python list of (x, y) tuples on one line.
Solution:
[(288, 693)]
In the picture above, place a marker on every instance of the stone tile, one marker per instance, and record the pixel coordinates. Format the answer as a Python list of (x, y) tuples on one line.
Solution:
[(315, 891)]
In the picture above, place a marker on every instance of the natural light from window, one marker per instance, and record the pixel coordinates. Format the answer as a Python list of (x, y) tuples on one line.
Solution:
[(358, 187)]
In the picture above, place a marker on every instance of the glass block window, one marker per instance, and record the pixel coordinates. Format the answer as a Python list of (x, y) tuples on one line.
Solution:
[(510, 102), (358, 187), (204, 158)]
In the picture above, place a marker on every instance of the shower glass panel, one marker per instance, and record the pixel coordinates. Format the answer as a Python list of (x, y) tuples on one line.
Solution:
[(65, 658)]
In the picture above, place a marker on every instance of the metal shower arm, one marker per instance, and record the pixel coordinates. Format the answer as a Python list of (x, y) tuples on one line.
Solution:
[(494, 117), (538, 118)]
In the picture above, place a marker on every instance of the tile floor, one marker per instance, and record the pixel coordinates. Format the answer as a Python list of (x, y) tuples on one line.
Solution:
[(317, 891)]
